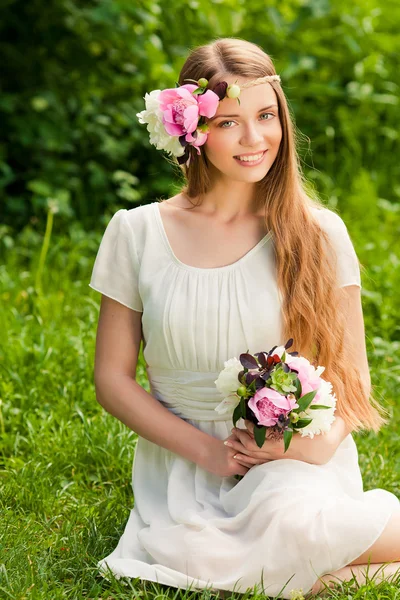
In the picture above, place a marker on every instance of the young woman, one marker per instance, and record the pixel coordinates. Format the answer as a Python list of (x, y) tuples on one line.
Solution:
[(242, 258)]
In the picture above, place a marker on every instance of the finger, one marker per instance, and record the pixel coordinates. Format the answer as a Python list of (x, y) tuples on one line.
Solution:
[(249, 427), (237, 446), (247, 441), (250, 448), (242, 463), (241, 469), (240, 433), (247, 460)]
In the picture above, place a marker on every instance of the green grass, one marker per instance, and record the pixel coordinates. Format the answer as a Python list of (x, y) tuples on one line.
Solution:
[(65, 478)]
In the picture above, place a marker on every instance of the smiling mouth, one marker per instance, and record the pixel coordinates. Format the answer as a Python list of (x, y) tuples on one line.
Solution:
[(250, 157)]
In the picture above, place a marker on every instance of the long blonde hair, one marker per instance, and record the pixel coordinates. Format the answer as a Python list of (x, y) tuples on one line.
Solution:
[(313, 314)]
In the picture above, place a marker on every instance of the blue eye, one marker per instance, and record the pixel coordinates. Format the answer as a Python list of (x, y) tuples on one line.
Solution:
[(267, 114), (224, 122)]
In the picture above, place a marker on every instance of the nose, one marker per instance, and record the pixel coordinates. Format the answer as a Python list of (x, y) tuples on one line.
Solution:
[(252, 136)]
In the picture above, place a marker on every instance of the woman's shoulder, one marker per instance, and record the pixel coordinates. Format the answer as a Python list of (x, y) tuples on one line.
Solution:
[(133, 224), (139, 219), (329, 220), (138, 213)]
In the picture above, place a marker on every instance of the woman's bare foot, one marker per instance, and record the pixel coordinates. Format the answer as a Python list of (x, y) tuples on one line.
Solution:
[(360, 572)]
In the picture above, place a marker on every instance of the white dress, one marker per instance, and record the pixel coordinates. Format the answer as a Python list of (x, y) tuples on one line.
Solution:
[(287, 522)]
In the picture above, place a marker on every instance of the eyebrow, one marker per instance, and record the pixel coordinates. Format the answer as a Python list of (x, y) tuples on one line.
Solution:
[(261, 109)]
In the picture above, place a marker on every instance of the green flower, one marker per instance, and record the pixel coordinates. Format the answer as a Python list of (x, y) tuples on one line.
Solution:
[(242, 391), (233, 91), (281, 381)]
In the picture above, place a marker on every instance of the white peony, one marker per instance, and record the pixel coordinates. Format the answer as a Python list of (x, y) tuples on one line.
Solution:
[(319, 370), (322, 418), (159, 137), (227, 383), (228, 405)]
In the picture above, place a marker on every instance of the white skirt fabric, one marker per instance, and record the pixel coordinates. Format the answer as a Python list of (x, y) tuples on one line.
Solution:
[(286, 523)]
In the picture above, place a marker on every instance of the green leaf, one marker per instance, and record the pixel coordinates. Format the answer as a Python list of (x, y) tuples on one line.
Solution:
[(242, 405), (287, 437), (302, 423), (252, 386), (305, 401), (237, 413), (42, 188), (297, 383), (318, 406), (259, 435)]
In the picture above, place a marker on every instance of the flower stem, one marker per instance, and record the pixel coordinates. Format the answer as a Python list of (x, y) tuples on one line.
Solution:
[(43, 252)]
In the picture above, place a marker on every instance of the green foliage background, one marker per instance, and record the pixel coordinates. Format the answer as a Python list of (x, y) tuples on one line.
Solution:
[(73, 76)]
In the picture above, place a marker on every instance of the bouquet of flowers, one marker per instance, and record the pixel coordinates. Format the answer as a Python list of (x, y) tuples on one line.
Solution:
[(279, 391)]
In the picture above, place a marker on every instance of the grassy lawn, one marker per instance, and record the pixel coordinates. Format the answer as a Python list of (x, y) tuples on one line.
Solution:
[(65, 486)]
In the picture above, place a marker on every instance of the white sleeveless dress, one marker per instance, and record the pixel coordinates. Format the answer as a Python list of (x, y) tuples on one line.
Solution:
[(287, 522)]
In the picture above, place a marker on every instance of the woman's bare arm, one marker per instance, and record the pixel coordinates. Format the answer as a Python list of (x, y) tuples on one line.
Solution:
[(117, 348)]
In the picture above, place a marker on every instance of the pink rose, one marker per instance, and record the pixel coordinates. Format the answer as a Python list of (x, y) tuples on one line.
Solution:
[(268, 404), (308, 378), (182, 111)]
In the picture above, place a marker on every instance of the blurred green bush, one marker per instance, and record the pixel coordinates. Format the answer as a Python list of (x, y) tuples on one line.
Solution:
[(74, 74)]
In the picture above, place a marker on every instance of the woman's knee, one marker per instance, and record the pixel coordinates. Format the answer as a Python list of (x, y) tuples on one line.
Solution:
[(387, 547)]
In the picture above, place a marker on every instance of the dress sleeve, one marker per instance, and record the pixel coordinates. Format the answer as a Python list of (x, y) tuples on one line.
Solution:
[(347, 266), (116, 268)]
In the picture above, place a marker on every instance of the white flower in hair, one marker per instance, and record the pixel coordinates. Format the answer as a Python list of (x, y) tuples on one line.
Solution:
[(159, 137), (176, 117)]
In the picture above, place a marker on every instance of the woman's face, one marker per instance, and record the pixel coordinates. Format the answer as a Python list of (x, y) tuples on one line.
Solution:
[(251, 128)]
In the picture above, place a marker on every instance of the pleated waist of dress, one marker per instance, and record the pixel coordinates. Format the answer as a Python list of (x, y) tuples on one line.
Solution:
[(188, 394)]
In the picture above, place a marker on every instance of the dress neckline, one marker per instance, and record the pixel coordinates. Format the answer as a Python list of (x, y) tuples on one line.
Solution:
[(183, 265)]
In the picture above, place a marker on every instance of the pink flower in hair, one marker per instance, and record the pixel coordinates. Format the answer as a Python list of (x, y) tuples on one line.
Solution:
[(181, 111)]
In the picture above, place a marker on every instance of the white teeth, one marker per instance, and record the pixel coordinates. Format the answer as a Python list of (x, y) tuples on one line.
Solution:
[(250, 158)]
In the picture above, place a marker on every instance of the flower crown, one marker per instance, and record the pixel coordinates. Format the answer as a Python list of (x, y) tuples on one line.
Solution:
[(175, 117)]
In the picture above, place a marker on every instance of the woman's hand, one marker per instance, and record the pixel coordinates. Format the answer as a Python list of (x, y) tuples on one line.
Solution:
[(219, 460), (315, 451), (244, 447)]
